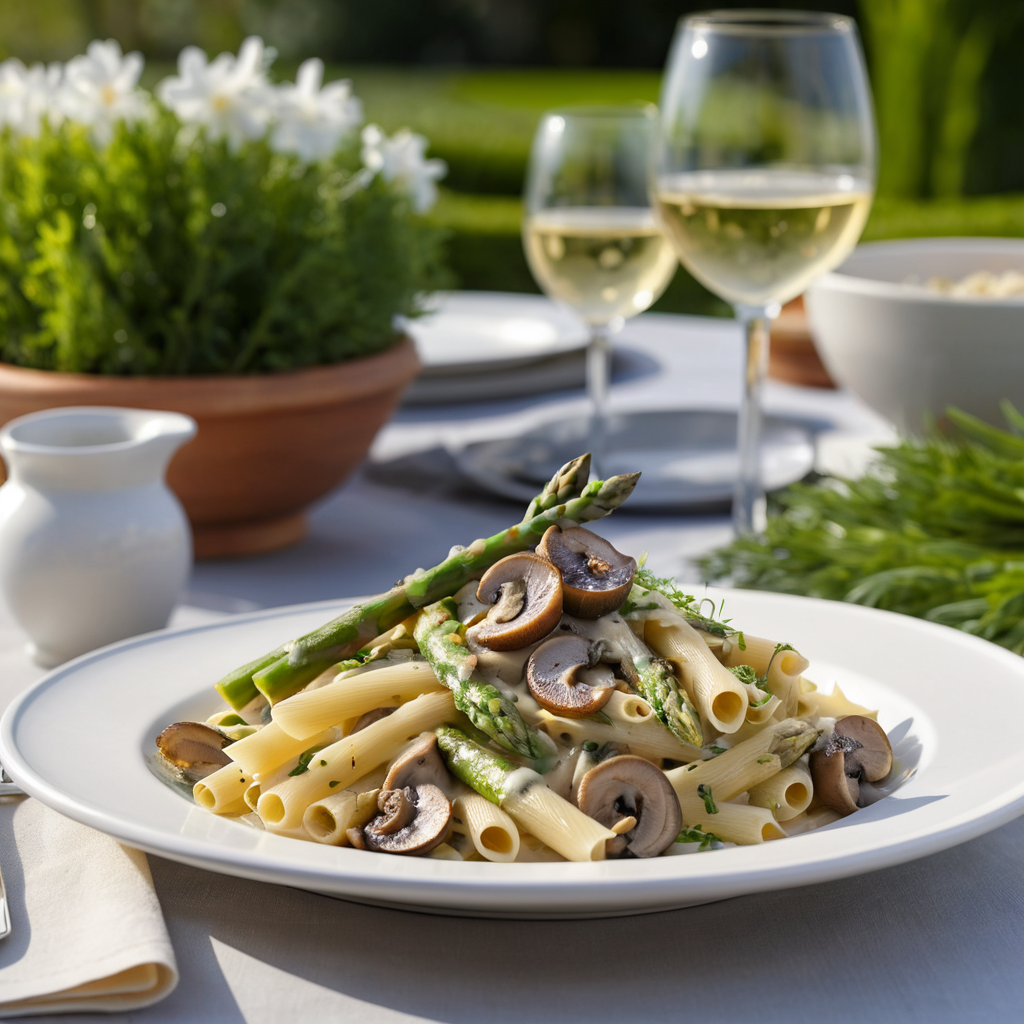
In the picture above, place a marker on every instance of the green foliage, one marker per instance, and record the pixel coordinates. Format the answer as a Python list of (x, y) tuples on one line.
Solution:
[(150, 257), (928, 60), (935, 529), (646, 583)]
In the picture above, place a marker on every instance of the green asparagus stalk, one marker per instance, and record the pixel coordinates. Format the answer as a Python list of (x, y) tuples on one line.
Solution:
[(439, 635), (793, 738), (654, 680), (287, 669), (650, 676), (567, 483), (486, 771)]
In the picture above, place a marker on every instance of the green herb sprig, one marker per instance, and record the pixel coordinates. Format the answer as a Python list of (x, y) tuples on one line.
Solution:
[(698, 835), (934, 529), (690, 606)]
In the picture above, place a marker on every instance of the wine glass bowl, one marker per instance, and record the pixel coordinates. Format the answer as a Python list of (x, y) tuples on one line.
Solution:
[(590, 234), (765, 173)]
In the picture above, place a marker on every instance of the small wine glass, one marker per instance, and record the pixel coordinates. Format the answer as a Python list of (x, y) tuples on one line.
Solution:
[(591, 237), (765, 175)]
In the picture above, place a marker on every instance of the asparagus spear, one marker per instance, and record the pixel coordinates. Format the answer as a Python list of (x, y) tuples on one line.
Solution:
[(486, 771), (567, 483), (439, 636), (650, 676), (288, 668)]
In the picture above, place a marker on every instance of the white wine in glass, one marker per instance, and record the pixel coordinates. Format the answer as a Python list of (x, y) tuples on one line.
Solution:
[(766, 170), (591, 237), (606, 262)]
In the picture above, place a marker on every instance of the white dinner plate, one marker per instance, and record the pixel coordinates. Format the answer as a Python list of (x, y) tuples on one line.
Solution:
[(79, 739), (473, 332)]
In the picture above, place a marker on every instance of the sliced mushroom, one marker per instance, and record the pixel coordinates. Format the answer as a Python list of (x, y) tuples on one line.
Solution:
[(858, 750), (526, 593), (596, 578), (420, 764), (414, 819), (551, 674), (194, 750), (627, 787), (589, 759)]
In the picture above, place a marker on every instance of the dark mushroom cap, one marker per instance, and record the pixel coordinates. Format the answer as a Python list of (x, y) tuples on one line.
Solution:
[(420, 764), (551, 676), (872, 755), (629, 786), (414, 819), (596, 578), (857, 750), (526, 593), (193, 748)]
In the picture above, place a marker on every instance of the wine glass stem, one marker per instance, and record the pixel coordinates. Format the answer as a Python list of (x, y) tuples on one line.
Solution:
[(749, 515), (599, 358)]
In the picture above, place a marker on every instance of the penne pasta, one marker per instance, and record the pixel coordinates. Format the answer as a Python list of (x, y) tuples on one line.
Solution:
[(339, 765), (733, 823), (557, 823), (223, 791), (492, 832), (265, 750), (786, 794), (718, 694), (353, 694)]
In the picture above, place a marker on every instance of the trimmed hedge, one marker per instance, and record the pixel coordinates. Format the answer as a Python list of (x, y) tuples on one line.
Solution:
[(485, 250), (482, 123)]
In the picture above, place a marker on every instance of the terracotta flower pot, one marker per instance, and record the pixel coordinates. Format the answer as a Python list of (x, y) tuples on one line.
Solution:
[(268, 445)]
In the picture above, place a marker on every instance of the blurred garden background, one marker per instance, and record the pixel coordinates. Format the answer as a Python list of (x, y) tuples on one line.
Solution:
[(474, 76)]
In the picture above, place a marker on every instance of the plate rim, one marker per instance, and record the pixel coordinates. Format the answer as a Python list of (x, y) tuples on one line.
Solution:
[(571, 337), (497, 890)]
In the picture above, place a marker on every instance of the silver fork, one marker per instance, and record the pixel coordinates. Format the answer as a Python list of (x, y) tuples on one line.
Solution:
[(7, 788)]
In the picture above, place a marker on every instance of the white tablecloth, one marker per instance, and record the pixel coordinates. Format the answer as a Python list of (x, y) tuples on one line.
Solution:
[(940, 939)]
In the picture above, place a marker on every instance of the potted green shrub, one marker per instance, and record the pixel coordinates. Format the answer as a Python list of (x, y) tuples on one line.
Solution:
[(225, 247)]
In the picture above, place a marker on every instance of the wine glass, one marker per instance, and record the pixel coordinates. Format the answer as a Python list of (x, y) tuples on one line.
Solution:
[(591, 237), (765, 175)]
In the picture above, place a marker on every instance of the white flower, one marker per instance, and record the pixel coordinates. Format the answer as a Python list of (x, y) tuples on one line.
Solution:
[(228, 96), (27, 95), (401, 159), (100, 88), (313, 121)]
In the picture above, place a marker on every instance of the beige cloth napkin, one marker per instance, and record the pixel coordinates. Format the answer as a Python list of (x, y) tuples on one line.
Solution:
[(87, 930)]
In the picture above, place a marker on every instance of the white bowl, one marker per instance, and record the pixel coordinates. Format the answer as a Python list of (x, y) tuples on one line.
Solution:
[(909, 352)]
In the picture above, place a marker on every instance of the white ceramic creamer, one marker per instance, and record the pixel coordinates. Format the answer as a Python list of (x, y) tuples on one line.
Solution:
[(94, 546)]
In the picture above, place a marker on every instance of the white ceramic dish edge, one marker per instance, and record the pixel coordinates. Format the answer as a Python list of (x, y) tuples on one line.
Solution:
[(865, 842)]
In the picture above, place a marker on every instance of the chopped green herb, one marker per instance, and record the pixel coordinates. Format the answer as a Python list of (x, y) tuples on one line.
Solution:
[(323, 763), (765, 759), (646, 581), (304, 758), (704, 792), (716, 750), (589, 746), (746, 674), (698, 835), (334, 782)]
